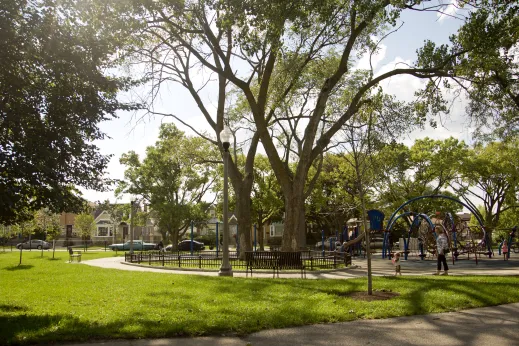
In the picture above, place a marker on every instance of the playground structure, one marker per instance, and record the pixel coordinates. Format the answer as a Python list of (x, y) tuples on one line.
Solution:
[(463, 239)]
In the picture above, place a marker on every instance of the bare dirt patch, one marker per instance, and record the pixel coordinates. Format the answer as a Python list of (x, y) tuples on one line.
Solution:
[(377, 295)]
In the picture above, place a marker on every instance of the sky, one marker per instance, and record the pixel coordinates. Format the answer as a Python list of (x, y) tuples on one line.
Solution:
[(131, 132)]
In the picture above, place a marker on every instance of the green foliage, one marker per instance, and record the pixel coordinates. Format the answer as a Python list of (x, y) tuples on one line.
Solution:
[(25, 228), (172, 178), (491, 177), (267, 199), (209, 239), (428, 167), (48, 223), (54, 91), (84, 225), (485, 67)]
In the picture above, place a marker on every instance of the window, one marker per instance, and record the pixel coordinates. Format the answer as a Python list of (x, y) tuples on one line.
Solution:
[(104, 231)]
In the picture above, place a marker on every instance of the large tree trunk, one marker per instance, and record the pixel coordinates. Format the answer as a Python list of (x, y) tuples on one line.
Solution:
[(243, 214), (294, 233)]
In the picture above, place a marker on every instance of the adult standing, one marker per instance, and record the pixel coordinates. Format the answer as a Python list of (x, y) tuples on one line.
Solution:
[(442, 246)]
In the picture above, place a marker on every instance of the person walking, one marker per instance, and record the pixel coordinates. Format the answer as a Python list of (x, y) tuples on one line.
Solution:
[(504, 248), (442, 247), (396, 263)]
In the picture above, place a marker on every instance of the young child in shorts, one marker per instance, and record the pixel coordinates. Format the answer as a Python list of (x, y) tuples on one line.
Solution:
[(396, 263)]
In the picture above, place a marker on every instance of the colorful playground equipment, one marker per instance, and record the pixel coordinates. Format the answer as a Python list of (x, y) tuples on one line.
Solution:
[(463, 239)]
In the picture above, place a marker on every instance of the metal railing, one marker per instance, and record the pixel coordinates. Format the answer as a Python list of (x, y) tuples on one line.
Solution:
[(313, 260)]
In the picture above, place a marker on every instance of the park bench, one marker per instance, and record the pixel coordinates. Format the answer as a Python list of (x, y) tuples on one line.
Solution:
[(74, 255), (275, 260)]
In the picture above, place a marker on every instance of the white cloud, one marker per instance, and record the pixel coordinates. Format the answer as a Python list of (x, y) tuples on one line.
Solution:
[(454, 124), (376, 58), (449, 9)]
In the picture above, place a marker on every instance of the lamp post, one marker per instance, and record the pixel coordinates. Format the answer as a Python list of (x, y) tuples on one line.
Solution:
[(225, 269), (132, 203)]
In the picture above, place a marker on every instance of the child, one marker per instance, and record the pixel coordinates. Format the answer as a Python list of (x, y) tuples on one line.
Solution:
[(396, 263), (505, 250)]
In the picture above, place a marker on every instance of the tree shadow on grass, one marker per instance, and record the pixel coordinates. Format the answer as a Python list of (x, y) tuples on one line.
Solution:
[(19, 267), (11, 308)]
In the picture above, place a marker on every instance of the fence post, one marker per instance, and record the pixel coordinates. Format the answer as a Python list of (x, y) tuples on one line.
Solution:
[(335, 260), (254, 237), (217, 240), (200, 261), (311, 262), (322, 240), (179, 260), (105, 245), (192, 226)]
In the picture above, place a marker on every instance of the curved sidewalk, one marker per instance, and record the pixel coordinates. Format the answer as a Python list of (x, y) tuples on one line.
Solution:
[(380, 267), (496, 325)]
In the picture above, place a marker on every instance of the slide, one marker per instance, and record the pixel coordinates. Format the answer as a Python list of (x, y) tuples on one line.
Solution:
[(349, 243)]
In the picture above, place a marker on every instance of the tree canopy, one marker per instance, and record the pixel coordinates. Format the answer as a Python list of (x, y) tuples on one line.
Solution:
[(173, 178), (54, 91)]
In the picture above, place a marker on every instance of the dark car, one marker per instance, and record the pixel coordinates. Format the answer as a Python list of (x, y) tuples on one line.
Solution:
[(34, 244), (185, 245)]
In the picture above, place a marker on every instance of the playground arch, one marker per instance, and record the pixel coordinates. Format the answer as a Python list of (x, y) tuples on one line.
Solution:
[(393, 219), (472, 211)]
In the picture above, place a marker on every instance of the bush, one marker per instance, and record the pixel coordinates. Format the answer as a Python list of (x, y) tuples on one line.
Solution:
[(206, 239)]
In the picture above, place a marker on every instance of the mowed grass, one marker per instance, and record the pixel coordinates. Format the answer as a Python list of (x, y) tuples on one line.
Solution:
[(47, 300)]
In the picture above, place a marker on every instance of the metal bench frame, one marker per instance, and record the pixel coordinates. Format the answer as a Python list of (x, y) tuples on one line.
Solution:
[(73, 255), (275, 260)]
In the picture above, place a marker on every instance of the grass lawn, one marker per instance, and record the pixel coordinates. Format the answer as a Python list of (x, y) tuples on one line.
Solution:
[(50, 300)]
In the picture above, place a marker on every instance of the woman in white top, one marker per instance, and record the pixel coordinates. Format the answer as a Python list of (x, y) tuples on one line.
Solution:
[(442, 244)]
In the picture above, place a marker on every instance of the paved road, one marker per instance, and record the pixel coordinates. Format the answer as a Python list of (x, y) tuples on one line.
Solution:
[(380, 267), (484, 326)]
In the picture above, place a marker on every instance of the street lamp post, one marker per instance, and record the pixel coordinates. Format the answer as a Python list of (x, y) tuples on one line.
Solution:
[(225, 269), (132, 203)]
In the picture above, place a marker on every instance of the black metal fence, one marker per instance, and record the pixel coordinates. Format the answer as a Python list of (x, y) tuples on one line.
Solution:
[(314, 260)]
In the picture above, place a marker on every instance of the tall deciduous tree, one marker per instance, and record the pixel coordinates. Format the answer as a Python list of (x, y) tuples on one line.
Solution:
[(54, 90), (428, 167), (266, 198), (300, 54), (489, 72), (490, 175), (173, 178)]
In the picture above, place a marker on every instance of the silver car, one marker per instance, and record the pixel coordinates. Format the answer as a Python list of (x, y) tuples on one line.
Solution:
[(34, 244)]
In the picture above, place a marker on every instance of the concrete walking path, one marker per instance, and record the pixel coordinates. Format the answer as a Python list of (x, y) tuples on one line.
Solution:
[(496, 325), (380, 267)]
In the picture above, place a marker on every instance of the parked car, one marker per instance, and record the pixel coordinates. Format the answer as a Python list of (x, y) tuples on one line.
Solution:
[(34, 244), (327, 241), (185, 245), (138, 245)]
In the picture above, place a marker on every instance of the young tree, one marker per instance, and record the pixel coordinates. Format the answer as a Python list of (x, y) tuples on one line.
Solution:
[(48, 224), (84, 224), (173, 178), (26, 229), (54, 90)]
